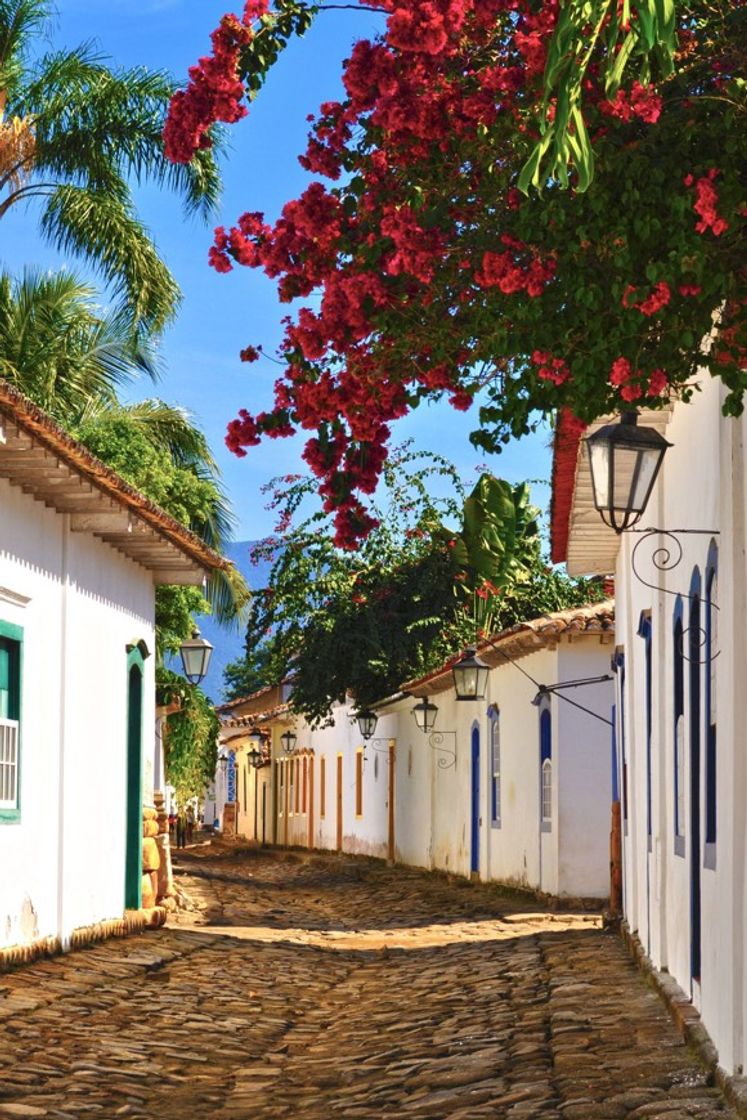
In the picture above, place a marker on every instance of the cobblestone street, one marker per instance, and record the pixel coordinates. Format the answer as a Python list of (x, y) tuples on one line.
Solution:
[(318, 987)]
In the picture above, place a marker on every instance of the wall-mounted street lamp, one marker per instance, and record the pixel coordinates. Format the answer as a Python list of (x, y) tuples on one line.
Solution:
[(624, 461), (366, 721), (288, 741), (196, 654), (255, 753), (425, 715), (223, 763), (470, 675)]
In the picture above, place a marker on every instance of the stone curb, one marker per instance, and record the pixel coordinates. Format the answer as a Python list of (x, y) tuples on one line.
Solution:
[(688, 1022), (133, 921)]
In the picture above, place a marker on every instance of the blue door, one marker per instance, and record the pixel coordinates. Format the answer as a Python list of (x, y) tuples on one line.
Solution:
[(475, 859), (694, 655)]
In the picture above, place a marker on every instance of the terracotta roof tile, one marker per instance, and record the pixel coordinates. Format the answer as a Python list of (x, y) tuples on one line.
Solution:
[(525, 638)]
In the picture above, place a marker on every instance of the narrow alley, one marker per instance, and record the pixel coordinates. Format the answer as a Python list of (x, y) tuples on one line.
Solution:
[(323, 986)]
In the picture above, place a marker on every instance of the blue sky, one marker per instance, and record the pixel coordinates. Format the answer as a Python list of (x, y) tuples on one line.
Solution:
[(221, 314)]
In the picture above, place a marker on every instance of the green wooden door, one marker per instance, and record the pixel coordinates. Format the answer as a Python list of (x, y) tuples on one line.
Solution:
[(134, 853)]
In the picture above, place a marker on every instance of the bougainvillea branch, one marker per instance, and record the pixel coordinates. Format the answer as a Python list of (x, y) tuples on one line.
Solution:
[(417, 268)]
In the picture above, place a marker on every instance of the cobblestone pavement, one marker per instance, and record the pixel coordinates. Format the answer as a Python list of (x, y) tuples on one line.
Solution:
[(332, 987)]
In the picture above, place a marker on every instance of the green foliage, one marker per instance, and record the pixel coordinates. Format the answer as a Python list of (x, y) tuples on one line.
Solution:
[(415, 593), (191, 739), (615, 38), (248, 673), (72, 358), (95, 131), (60, 348), (133, 441)]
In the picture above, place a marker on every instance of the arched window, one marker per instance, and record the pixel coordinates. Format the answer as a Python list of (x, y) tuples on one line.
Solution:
[(546, 766), (495, 766), (645, 632)]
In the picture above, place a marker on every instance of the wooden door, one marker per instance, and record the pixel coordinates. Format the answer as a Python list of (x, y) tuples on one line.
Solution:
[(339, 802)]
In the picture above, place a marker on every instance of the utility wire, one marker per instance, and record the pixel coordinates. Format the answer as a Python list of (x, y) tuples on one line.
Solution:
[(545, 689)]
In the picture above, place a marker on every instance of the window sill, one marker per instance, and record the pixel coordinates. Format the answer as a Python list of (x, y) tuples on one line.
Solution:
[(709, 857), (546, 826), (496, 823), (679, 846), (10, 816)]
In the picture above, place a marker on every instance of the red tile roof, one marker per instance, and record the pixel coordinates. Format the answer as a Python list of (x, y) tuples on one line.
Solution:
[(565, 456)]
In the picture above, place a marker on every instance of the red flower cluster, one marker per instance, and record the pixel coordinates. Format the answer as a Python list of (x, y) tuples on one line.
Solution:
[(424, 272), (706, 201), (504, 271), (551, 369), (642, 102), (658, 298), (633, 384), (214, 92)]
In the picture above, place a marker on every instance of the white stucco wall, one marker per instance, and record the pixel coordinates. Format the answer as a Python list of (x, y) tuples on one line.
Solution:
[(701, 486), (62, 864), (434, 796)]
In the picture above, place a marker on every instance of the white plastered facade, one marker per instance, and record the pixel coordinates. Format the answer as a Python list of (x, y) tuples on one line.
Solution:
[(684, 794), (79, 604)]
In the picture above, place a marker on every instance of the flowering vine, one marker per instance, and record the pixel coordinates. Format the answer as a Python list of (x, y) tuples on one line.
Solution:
[(432, 273)]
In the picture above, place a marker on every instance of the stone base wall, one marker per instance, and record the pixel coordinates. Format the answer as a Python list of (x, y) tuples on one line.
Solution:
[(133, 921)]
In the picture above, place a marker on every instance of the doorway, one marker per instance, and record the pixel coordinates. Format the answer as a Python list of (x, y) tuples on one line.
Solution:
[(475, 844), (339, 803), (694, 657), (134, 808)]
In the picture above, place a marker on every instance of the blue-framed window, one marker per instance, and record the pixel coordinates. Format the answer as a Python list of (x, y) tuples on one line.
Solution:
[(645, 632), (711, 654), (545, 728), (495, 765), (11, 668), (678, 683)]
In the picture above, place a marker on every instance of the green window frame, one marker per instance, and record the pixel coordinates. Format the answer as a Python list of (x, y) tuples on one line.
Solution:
[(11, 690)]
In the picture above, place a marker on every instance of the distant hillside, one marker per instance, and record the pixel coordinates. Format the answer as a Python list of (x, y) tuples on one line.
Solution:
[(229, 644)]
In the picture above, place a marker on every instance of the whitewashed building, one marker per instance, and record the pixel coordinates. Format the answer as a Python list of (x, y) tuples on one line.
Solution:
[(502, 790), (80, 555), (681, 701), (516, 788)]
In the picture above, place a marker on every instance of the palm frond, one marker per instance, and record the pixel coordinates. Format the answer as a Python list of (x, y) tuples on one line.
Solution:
[(229, 596), (171, 427), (20, 21), (105, 230), (60, 348), (93, 123)]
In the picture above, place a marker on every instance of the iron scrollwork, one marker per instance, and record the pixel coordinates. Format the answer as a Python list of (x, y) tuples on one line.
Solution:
[(435, 742), (665, 557)]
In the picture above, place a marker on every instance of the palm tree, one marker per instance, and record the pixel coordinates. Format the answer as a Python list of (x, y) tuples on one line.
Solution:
[(72, 358), (74, 135)]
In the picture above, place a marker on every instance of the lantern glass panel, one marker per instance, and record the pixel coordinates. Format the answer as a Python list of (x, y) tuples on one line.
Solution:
[(425, 715), (470, 678), (367, 723)]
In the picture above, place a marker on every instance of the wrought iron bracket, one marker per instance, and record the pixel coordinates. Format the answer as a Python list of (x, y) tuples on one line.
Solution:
[(435, 741), (390, 745), (665, 558)]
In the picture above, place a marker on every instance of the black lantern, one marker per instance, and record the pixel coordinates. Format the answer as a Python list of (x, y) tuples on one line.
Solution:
[(289, 739), (624, 461), (425, 715), (470, 676), (223, 762), (196, 654), (367, 721), (256, 743)]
